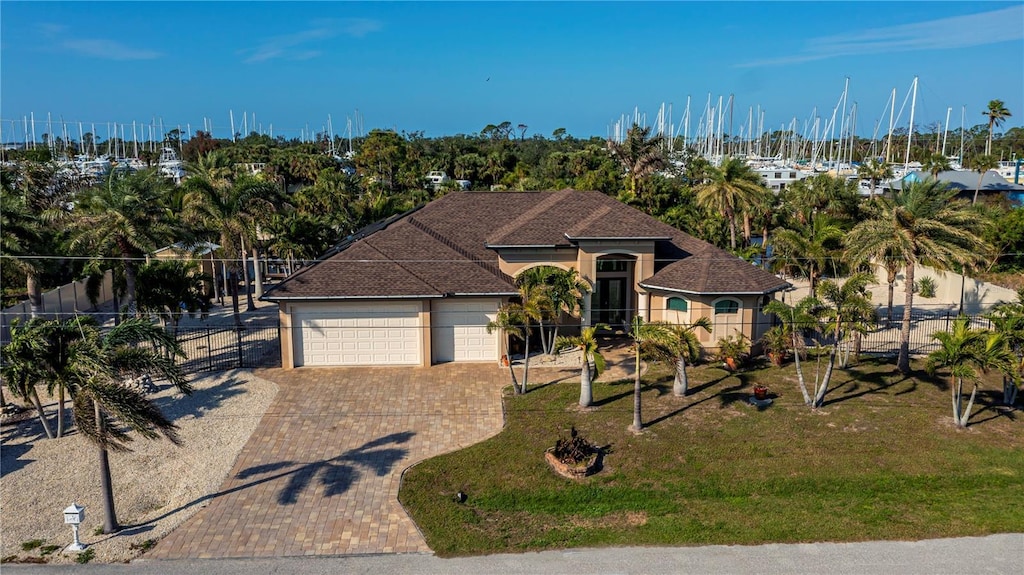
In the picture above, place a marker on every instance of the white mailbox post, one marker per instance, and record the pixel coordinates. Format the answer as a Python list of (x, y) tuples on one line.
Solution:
[(73, 516)]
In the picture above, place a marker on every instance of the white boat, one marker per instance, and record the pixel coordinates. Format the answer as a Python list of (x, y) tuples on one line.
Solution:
[(170, 165)]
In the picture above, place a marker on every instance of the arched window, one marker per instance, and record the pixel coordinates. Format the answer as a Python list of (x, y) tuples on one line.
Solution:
[(677, 304), (727, 306)]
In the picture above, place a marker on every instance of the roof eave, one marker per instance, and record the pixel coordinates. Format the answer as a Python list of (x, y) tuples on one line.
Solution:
[(345, 297), (604, 238), (692, 292)]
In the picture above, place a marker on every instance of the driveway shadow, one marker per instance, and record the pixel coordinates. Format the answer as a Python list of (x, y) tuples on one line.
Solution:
[(337, 474)]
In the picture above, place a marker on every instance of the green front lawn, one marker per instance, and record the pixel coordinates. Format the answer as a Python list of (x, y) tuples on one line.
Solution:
[(882, 460)]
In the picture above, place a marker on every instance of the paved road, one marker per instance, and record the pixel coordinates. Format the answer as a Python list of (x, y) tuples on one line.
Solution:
[(995, 554)]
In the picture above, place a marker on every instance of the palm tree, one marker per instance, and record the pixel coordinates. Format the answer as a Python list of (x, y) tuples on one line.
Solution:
[(656, 335), (640, 155), (843, 309), (234, 210), (169, 288), (127, 216), (592, 361), (996, 113), (935, 164), (21, 370), (564, 289), (798, 318), (732, 187), (687, 346), (876, 171), (920, 224), (516, 318), (982, 164), (964, 350), (1008, 320), (91, 364), (810, 245)]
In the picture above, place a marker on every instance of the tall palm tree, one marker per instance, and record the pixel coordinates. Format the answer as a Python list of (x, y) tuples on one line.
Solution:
[(799, 319), (982, 164), (234, 210), (640, 155), (935, 164), (126, 216), (564, 289), (656, 335), (1008, 319), (169, 288), (875, 171), (732, 188), (516, 319), (809, 246), (921, 224), (21, 370), (687, 346), (964, 350), (996, 113), (92, 364), (844, 308), (593, 363), (35, 200)]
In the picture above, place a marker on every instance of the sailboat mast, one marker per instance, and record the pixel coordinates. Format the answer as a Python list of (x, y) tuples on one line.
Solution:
[(945, 135), (892, 118), (910, 132)]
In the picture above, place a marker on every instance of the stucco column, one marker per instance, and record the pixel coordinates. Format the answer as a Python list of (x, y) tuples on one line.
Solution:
[(585, 309), (642, 305)]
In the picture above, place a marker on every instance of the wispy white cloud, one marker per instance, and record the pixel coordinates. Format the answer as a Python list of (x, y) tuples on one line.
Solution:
[(108, 49), (60, 38), (946, 33), (294, 46)]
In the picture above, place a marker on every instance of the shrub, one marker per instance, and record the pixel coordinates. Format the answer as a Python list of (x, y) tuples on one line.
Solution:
[(926, 286)]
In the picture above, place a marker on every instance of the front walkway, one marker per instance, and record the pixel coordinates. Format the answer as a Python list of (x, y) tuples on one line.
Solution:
[(320, 475)]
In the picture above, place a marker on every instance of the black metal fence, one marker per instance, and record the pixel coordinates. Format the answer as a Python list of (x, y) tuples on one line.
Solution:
[(219, 347)]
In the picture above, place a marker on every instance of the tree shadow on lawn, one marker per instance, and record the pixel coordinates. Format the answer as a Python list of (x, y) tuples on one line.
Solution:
[(993, 407), (861, 384), (337, 474)]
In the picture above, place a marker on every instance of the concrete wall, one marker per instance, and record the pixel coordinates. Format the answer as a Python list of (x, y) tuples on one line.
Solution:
[(61, 302)]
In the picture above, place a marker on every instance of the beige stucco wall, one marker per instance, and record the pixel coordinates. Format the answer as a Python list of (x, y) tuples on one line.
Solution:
[(514, 260), (749, 320)]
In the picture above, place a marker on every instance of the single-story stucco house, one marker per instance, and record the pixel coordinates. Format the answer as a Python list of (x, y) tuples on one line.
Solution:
[(420, 288)]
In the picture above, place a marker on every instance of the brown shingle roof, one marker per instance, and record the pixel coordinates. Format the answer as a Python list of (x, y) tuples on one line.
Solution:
[(443, 249)]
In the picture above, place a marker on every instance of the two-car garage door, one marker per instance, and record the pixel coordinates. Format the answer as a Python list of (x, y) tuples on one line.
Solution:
[(390, 332), (378, 333)]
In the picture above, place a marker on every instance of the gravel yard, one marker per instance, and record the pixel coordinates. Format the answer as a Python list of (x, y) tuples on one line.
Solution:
[(156, 486)]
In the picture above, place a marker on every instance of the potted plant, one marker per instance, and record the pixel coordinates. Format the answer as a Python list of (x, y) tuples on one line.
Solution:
[(776, 342), (760, 392), (732, 349)]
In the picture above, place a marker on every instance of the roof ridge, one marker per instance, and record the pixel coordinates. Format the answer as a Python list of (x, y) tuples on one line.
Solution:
[(447, 242)]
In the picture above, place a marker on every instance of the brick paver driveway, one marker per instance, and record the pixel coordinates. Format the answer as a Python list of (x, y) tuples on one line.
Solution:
[(320, 475)]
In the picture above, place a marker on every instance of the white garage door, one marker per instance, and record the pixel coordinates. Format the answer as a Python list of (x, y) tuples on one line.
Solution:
[(378, 333), (458, 330)]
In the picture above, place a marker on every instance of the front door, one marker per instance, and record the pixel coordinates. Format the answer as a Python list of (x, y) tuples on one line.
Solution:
[(610, 301)]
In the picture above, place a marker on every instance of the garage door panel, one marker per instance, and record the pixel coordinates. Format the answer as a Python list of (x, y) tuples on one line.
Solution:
[(459, 331), (379, 333)]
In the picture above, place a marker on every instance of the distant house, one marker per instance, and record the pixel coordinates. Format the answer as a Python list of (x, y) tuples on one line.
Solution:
[(201, 253), (966, 182), (420, 288)]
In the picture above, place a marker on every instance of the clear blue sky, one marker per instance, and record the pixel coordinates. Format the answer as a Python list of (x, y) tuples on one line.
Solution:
[(448, 68)]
